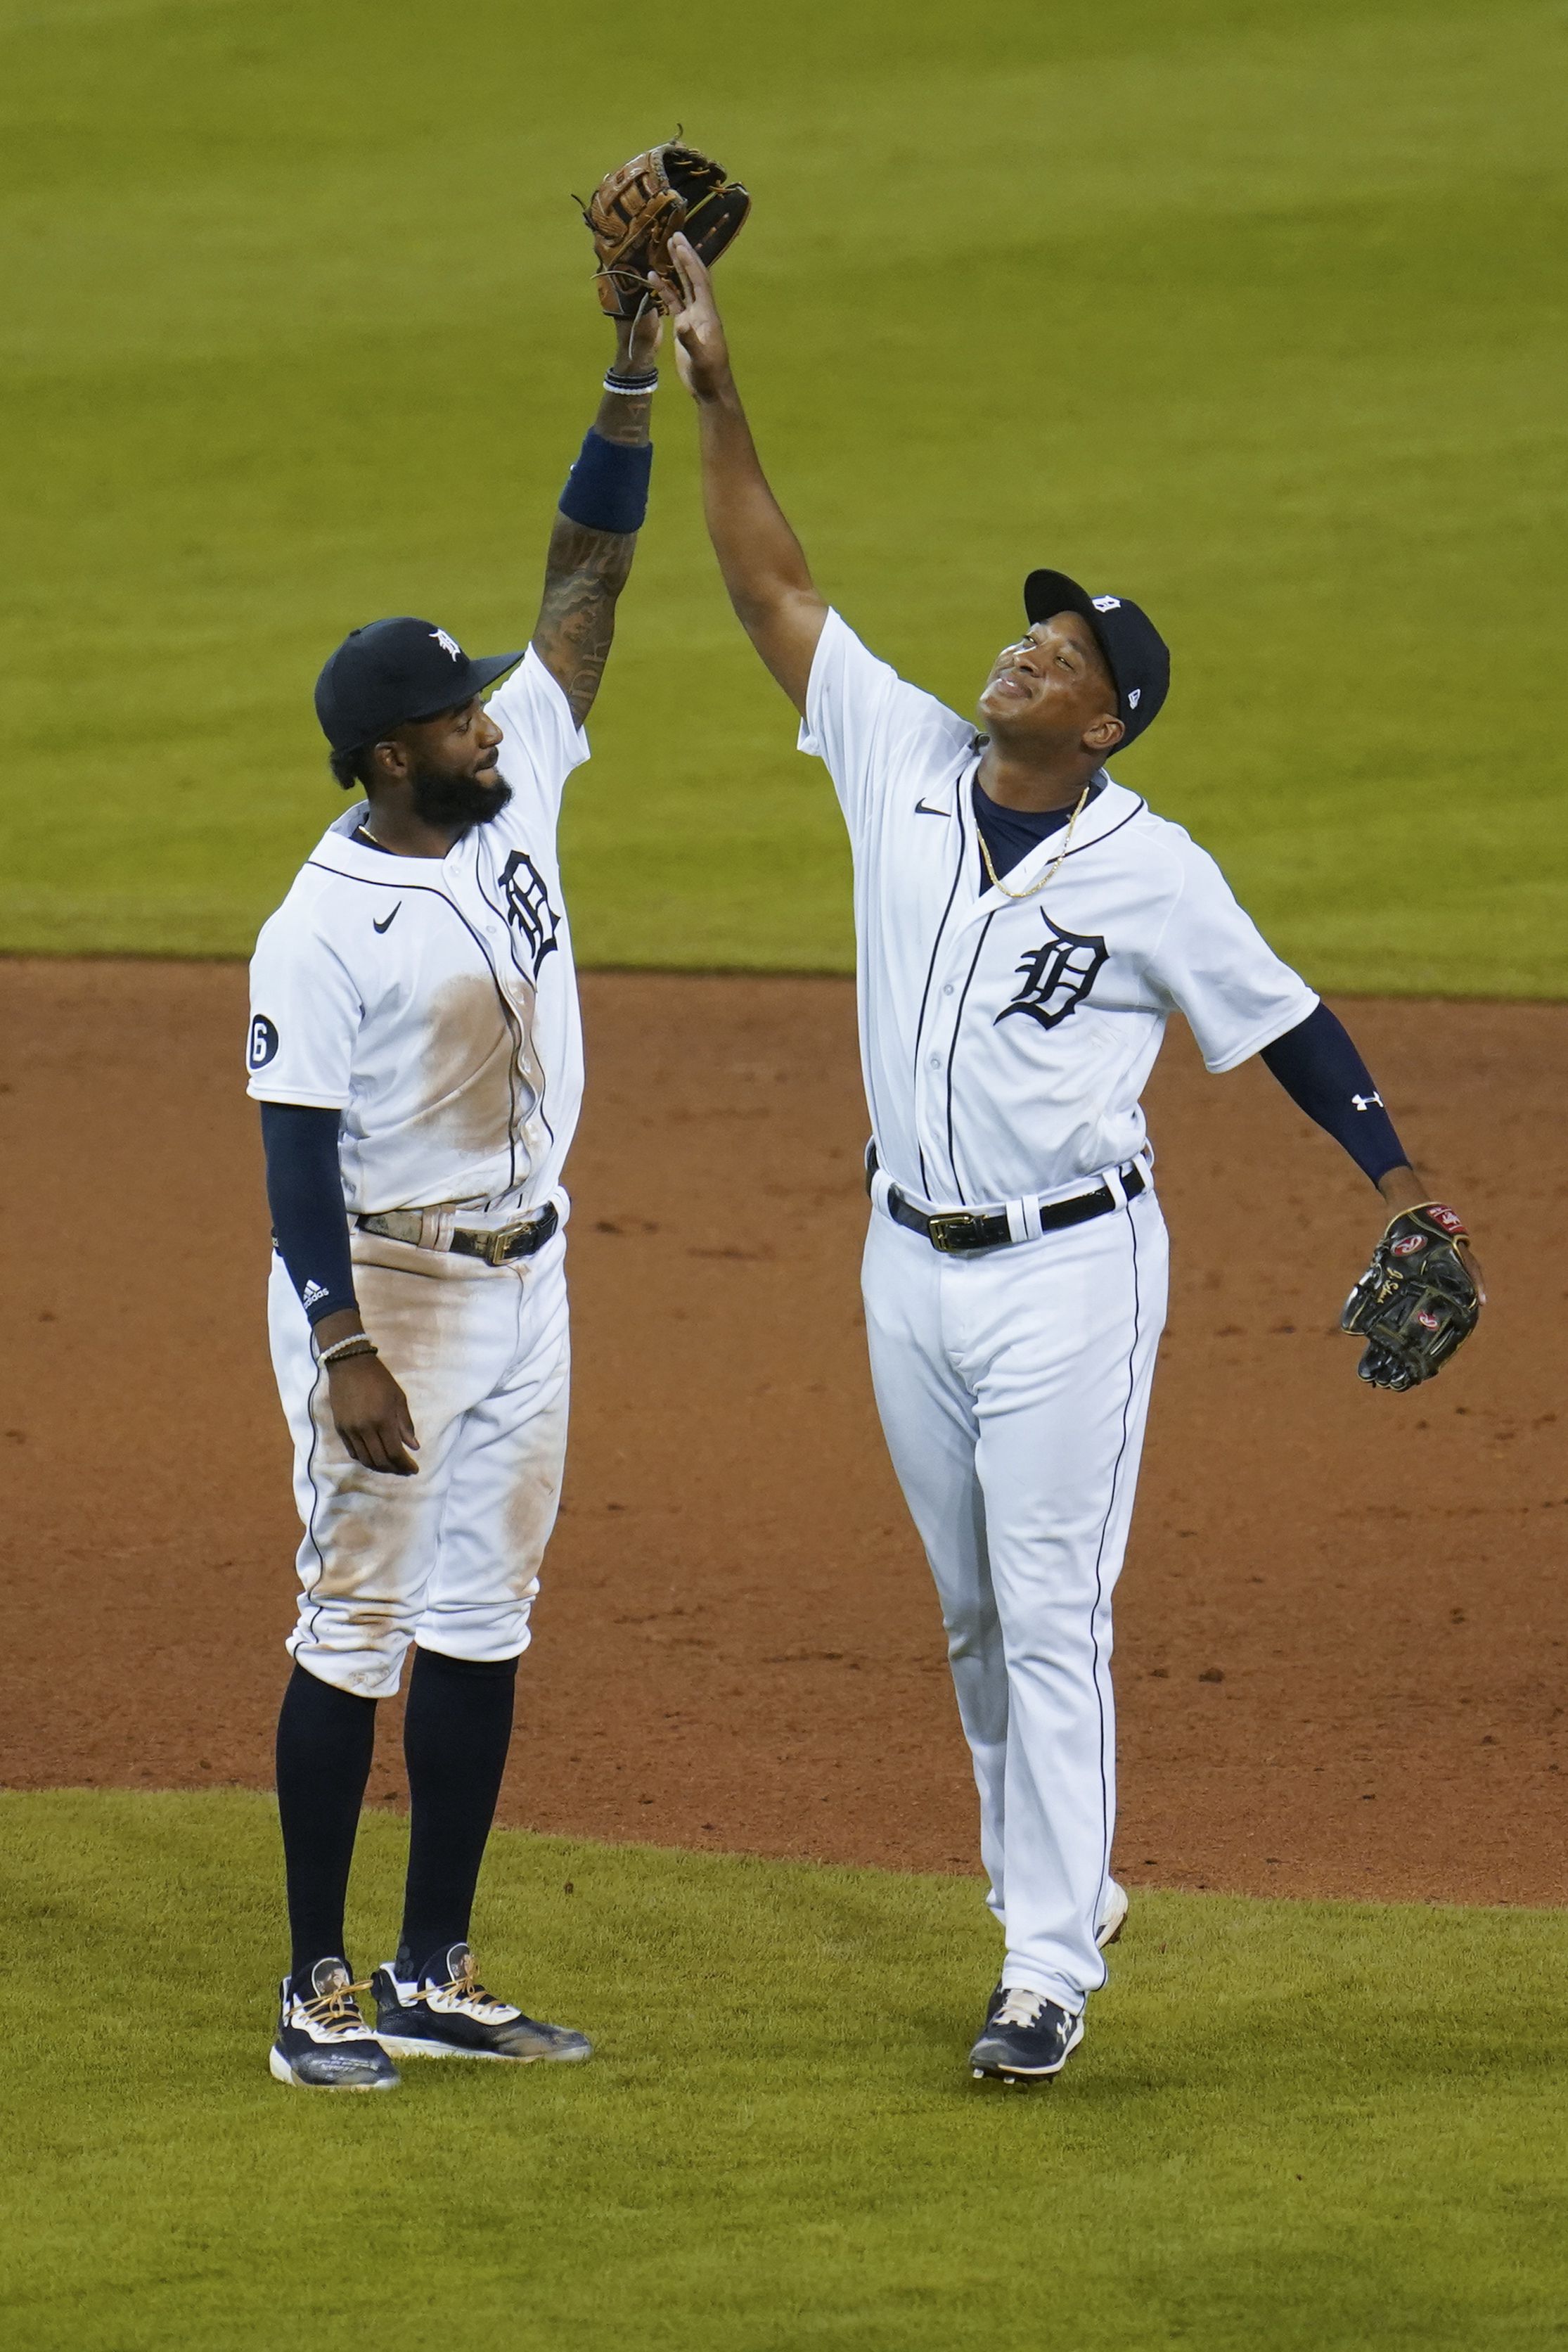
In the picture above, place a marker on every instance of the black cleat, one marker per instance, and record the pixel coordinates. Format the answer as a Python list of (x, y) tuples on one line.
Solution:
[(1025, 2039), (323, 2044), (441, 2011)]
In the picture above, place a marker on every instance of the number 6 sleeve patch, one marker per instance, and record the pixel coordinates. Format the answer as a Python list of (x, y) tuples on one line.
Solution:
[(263, 1044)]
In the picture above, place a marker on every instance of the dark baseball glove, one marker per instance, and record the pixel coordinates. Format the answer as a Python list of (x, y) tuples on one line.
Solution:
[(1416, 1302), (634, 212)]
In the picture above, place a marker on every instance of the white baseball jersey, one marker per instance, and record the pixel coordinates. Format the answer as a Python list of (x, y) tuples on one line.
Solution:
[(1005, 1043), (432, 1001)]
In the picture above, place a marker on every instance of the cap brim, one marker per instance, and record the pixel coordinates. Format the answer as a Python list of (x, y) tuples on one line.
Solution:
[(1045, 593), (481, 674)]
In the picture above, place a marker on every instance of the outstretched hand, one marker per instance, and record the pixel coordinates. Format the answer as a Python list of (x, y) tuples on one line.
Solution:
[(702, 354)]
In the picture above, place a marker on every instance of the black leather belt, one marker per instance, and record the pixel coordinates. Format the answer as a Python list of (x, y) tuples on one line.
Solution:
[(954, 1230), (501, 1247)]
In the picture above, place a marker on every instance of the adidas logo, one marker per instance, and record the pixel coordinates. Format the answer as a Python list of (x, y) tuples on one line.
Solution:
[(312, 1294)]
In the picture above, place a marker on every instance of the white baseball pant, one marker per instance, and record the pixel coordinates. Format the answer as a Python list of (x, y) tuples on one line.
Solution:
[(449, 1559), (1013, 1387)]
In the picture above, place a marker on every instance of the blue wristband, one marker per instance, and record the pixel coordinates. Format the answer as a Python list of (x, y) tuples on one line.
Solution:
[(607, 489)]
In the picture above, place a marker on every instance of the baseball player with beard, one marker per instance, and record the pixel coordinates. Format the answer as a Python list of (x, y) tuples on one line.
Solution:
[(415, 1048), (1025, 926)]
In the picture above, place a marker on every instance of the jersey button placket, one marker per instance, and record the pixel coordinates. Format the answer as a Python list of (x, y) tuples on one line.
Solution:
[(931, 1116)]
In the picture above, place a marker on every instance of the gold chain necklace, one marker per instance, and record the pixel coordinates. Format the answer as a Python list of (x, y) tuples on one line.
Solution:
[(1035, 888)]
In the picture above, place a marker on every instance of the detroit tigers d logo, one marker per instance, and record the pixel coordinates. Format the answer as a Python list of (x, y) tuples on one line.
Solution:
[(1054, 979), (529, 910)]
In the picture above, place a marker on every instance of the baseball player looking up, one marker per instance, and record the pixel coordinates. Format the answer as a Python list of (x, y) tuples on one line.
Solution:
[(1024, 928), (415, 1047)]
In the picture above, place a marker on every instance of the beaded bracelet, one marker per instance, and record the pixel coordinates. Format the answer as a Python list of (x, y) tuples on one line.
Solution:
[(631, 384), (358, 1343)]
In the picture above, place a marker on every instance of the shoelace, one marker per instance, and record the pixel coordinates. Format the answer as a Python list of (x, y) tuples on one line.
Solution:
[(468, 1991), (335, 2012), (1020, 2008)]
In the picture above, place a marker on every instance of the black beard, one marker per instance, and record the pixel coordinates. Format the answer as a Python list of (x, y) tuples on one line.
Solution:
[(455, 802)]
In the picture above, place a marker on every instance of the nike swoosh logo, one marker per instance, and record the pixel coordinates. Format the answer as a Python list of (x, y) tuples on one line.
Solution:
[(390, 920), (921, 810)]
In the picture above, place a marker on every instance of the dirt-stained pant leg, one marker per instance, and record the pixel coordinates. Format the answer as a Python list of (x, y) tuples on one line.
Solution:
[(503, 1486), (451, 1555)]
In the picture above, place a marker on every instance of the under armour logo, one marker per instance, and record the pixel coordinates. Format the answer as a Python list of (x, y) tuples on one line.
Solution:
[(1055, 978), (1136, 697), (1364, 1102), (528, 908), (1106, 603), (448, 644)]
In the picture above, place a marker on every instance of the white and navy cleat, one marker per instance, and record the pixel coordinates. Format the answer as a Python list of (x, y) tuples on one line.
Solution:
[(1026, 2039), (441, 2011), (323, 2043), (1111, 1926)]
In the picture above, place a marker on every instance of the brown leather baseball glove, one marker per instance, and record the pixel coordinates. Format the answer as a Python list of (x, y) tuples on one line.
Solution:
[(634, 212), (1417, 1302)]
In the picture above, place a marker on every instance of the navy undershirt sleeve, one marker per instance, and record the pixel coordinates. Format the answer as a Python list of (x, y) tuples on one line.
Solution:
[(305, 1193), (1324, 1074)]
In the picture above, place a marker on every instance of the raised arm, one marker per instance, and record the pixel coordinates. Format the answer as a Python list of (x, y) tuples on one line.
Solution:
[(766, 575), (596, 526)]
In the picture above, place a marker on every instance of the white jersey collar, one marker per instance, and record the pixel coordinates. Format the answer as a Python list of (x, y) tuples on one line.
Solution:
[(341, 854), (1111, 807)]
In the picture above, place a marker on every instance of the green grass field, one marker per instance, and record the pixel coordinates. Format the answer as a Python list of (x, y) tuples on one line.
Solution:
[(1305, 2127), (1255, 312)]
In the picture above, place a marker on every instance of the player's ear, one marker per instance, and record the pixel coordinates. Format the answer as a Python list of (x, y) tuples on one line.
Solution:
[(388, 761), (1104, 735)]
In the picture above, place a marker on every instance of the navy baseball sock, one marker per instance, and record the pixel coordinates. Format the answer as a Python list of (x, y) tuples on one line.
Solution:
[(457, 1730), (325, 1736)]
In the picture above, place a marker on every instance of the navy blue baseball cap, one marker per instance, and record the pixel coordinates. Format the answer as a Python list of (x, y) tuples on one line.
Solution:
[(1136, 656), (393, 671)]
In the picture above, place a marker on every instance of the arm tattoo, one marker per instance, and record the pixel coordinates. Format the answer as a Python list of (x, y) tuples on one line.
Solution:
[(585, 572)]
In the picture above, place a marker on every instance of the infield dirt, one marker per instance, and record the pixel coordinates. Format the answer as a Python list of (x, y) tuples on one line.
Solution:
[(1342, 1630)]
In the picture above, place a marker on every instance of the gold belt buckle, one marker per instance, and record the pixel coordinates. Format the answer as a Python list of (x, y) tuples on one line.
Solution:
[(953, 1230), (496, 1243)]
